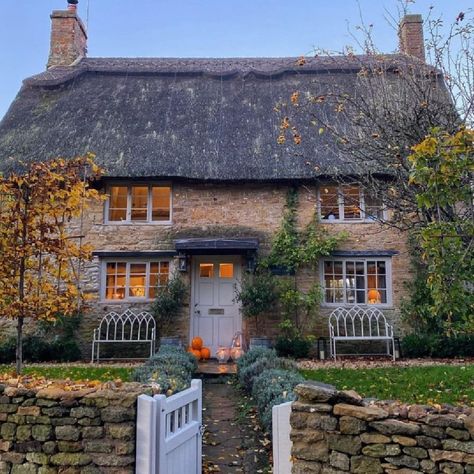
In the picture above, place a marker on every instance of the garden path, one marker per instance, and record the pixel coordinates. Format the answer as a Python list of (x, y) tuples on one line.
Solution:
[(231, 440)]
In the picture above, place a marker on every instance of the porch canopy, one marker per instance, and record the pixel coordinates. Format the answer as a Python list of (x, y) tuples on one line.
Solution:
[(216, 246)]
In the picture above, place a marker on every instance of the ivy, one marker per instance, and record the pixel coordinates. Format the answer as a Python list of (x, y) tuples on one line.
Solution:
[(291, 248)]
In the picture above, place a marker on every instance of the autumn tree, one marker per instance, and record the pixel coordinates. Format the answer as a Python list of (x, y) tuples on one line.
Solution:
[(393, 108), (40, 255)]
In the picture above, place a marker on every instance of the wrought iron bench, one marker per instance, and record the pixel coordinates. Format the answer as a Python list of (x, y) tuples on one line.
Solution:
[(126, 327), (360, 324)]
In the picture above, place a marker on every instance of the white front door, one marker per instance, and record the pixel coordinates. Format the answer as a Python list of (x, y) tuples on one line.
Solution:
[(215, 315)]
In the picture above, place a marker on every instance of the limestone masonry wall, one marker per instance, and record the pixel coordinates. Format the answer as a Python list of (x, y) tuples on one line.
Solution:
[(51, 430), (337, 432)]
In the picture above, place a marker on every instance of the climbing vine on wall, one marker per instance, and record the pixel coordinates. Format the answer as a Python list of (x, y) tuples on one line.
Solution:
[(292, 248)]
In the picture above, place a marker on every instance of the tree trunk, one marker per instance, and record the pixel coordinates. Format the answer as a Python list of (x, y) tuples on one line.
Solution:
[(19, 346)]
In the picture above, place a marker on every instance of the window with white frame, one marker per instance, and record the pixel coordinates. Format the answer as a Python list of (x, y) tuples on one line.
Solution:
[(348, 202), (357, 281), (134, 280), (138, 203)]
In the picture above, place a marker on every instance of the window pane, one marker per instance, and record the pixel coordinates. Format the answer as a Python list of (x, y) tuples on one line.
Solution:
[(118, 203), (373, 207), (360, 268), (226, 270), (381, 268), (161, 198), (206, 270), (115, 281), (139, 209), (329, 202), (338, 268), (371, 268), (361, 297), (351, 196), (329, 267)]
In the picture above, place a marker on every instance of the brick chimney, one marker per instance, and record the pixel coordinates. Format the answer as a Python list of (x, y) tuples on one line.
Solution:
[(68, 37), (411, 38)]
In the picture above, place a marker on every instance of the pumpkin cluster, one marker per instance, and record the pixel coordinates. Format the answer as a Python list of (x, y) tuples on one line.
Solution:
[(197, 349)]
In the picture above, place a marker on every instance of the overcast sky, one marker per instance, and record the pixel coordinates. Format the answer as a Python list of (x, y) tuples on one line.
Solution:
[(195, 28)]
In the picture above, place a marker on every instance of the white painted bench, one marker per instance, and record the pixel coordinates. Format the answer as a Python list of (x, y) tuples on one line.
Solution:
[(126, 327), (360, 324)]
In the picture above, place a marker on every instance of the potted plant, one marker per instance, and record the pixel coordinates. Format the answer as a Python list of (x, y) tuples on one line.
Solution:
[(166, 308), (257, 294)]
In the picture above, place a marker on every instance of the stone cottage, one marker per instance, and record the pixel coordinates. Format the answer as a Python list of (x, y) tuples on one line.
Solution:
[(196, 179)]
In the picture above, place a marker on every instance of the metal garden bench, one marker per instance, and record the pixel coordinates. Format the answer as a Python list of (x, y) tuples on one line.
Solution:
[(126, 327), (360, 324)]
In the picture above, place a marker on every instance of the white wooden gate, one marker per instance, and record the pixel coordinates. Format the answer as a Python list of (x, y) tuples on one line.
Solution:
[(169, 436), (281, 438)]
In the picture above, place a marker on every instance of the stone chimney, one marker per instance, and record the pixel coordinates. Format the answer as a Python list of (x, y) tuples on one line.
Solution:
[(68, 37), (411, 36)]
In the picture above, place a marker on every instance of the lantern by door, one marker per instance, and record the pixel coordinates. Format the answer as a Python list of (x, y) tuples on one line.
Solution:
[(223, 355), (237, 346)]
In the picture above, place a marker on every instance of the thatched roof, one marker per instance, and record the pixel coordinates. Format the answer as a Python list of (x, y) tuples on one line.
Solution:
[(206, 119)]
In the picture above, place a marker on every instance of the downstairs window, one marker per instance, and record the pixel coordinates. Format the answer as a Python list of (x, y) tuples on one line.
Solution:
[(357, 281)]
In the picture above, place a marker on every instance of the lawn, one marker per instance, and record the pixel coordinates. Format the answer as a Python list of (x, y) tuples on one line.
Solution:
[(433, 384), (102, 374)]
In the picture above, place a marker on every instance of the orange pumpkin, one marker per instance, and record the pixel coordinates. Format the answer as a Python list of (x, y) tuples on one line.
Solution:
[(196, 354), (197, 343), (205, 353)]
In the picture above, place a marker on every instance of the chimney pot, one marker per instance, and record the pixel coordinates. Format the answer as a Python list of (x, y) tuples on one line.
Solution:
[(411, 38)]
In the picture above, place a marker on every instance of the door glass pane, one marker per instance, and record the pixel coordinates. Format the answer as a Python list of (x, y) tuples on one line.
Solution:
[(139, 203), (206, 270), (329, 202), (226, 270), (161, 199), (118, 203)]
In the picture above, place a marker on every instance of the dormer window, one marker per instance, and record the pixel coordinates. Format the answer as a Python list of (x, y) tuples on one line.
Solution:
[(339, 203), (139, 203)]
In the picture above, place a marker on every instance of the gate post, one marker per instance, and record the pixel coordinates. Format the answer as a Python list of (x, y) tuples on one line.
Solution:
[(146, 435)]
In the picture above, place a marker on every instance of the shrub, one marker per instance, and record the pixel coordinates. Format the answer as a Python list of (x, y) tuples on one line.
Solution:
[(297, 347), (249, 373), (271, 388), (39, 349), (433, 345), (168, 303), (253, 354), (171, 369)]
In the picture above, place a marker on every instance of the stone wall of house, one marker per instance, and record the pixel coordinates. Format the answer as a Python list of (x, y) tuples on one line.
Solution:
[(229, 210), (336, 432), (50, 430)]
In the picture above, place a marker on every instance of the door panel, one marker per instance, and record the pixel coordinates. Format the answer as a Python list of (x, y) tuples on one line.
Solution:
[(215, 315)]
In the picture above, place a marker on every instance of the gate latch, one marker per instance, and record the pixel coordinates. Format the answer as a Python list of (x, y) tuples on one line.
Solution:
[(202, 430)]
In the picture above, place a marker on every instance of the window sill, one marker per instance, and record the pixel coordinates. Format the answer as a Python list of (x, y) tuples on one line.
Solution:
[(140, 224), (350, 221), (363, 305), (127, 301)]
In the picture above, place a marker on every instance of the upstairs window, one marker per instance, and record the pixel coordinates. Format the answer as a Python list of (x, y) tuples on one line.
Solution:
[(139, 203), (348, 203), (357, 281)]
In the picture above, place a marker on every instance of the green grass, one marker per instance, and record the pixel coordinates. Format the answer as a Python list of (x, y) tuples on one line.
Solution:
[(434, 384), (63, 372)]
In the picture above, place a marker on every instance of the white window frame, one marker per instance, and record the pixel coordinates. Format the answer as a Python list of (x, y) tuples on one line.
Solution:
[(388, 276), (340, 202), (128, 262), (128, 220)]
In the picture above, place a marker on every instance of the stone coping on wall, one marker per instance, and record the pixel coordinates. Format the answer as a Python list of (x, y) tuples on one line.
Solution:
[(68, 427), (338, 432)]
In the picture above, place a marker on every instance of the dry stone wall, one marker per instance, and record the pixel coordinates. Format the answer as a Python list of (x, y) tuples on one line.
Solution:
[(337, 432), (51, 430)]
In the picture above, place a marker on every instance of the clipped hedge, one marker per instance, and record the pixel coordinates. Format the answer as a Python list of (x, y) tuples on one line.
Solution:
[(170, 369), (40, 349), (270, 380), (433, 345)]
